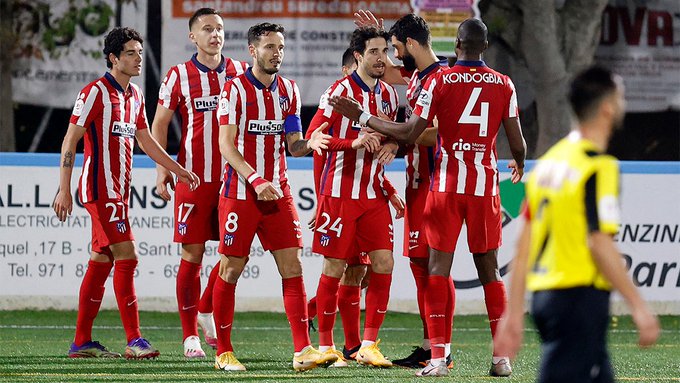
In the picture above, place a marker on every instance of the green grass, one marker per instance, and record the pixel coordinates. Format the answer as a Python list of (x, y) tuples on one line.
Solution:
[(34, 344)]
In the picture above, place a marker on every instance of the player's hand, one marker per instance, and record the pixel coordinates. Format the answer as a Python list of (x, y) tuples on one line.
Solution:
[(63, 205), (516, 173), (319, 139), (398, 204), (189, 178), (164, 179), (346, 106), (365, 18), (647, 325), (311, 225), (509, 335), (387, 152), (370, 141), (266, 192)]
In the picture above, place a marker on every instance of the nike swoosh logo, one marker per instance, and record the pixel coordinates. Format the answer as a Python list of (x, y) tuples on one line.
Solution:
[(187, 308), (95, 301), (361, 356), (223, 326), (132, 303), (381, 312), (412, 247), (425, 372), (304, 320), (355, 303), (325, 313)]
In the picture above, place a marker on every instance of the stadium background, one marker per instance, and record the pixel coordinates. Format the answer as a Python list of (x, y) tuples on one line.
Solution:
[(57, 50)]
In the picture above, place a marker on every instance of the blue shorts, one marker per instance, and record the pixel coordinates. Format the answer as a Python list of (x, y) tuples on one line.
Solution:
[(573, 325)]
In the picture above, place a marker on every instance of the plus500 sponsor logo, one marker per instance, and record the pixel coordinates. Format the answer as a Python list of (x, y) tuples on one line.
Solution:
[(265, 127), (206, 104), (123, 129)]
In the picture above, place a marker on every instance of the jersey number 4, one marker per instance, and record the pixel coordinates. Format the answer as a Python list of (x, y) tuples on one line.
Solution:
[(481, 119)]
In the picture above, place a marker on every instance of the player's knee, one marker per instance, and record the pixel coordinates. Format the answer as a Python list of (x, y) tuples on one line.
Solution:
[(353, 275), (290, 269), (231, 268), (382, 262), (333, 267), (193, 252)]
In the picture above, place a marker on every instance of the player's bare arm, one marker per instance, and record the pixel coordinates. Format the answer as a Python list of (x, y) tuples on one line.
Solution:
[(518, 147), (159, 130), (398, 204), (388, 151), (406, 132), (608, 261), (161, 157), (318, 141), (428, 137), (264, 189), (63, 202), (511, 327)]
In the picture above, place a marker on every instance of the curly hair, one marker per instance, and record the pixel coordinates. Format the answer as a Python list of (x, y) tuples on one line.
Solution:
[(260, 29), (115, 40), (360, 36), (412, 26)]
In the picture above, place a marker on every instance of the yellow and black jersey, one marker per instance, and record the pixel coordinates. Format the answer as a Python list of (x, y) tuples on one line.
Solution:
[(572, 192)]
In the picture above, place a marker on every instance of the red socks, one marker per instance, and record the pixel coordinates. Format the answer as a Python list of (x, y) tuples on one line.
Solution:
[(295, 304), (450, 308), (124, 287), (436, 301), (350, 312), (495, 299), (327, 305), (188, 291), (311, 308), (224, 295), (377, 297), (90, 299), (205, 304), (420, 274)]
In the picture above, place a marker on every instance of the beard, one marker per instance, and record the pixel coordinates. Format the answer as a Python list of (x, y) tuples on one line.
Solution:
[(409, 63), (375, 74), (263, 64)]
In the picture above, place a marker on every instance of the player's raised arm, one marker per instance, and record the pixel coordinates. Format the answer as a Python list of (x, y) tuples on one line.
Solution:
[(63, 202), (406, 132)]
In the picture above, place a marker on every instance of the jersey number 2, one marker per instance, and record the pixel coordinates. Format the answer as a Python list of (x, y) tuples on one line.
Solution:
[(482, 119)]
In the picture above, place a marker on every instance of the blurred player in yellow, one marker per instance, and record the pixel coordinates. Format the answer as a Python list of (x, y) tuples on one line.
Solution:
[(566, 255)]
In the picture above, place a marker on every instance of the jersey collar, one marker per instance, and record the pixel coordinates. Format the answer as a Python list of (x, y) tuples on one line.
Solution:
[(204, 68), (357, 79), (442, 62), (113, 82), (471, 62), (251, 77)]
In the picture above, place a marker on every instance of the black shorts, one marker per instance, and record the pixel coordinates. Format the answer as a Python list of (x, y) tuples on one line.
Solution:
[(573, 325)]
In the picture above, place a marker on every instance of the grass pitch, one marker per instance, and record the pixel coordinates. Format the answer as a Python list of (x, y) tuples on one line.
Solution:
[(34, 345)]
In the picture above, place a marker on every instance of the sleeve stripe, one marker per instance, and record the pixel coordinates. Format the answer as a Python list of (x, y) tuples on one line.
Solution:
[(592, 216), (87, 108)]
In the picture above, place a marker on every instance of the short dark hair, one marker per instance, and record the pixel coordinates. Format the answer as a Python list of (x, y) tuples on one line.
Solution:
[(412, 26), (472, 35), (201, 12), (115, 40), (360, 36), (589, 88), (348, 58), (260, 29)]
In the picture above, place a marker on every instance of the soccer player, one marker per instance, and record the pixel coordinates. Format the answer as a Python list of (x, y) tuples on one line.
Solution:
[(109, 112), (411, 39), (192, 90), (353, 203), (258, 110), (352, 281), (565, 253), (470, 100)]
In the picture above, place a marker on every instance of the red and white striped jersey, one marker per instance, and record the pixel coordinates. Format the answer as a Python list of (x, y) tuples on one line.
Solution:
[(419, 159), (348, 173), (111, 116), (470, 101), (263, 116), (193, 90)]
